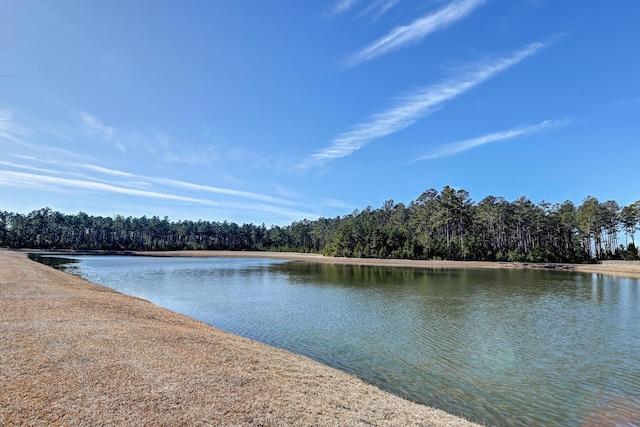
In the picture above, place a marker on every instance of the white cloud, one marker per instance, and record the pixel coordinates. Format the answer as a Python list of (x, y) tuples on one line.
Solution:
[(68, 174), (417, 30), (168, 150), (342, 6), (459, 147), (143, 187), (47, 182), (107, 133), (104, 170), (385, 6), (376, 7), (30, 180), (59, 171), (155, 142), (379, 8), (26, 167), (225, 191), (9, 130), (187, 185), (412, 108)]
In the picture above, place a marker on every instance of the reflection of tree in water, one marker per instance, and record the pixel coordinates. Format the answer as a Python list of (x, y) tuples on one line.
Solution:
[(57, 262), (366, 275)]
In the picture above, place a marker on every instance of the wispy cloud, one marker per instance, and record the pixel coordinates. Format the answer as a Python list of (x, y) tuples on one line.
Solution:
[(378, 8), (31, 180), (159, 144), (459, 147), (9, 129), (384, 6), (165, 147), (225, 191), (341, 6), (416, 31), (107, 133), (85, 132), (58, 184), (27, 167), (103, 170), (24, 135), (413, 107), (187, 185), (110, 181), (120, 179), (625, 103), (58, 171)]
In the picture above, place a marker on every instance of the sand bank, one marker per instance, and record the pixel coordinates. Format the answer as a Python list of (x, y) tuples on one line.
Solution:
[(626, 270), (74, 353)]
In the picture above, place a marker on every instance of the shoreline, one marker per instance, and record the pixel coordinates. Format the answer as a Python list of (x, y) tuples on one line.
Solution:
[(76, 353), (620, 270)]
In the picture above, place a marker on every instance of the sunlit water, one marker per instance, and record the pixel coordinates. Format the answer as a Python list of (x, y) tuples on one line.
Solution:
[(502, 347)]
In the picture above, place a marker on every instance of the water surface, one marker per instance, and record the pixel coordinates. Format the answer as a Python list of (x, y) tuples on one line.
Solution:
[(502, 347)]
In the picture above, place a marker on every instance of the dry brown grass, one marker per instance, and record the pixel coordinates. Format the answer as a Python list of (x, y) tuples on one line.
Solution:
[(74, 353)]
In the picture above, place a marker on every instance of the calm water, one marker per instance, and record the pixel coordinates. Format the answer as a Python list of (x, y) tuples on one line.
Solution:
[(502, 347)]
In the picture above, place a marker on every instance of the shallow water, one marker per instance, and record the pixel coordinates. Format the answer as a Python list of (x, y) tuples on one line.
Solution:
[(502, 347)]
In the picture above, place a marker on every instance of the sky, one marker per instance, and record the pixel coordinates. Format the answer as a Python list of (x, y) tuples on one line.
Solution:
[(278, 111)]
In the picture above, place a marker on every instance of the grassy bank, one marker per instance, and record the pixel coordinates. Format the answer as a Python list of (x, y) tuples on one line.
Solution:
[(75, 353)]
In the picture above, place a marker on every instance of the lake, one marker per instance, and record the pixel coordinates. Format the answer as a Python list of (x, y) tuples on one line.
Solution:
[(500, 347)]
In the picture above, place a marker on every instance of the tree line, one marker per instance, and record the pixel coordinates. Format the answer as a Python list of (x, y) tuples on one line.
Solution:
[(437, 225)]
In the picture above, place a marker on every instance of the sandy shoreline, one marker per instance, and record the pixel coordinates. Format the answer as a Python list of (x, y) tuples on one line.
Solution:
[(632, 271), (74, 353)]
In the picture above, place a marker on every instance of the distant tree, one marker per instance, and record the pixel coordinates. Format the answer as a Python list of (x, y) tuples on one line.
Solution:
[(590, 223), (610, 225), (437, 225), (630, 218)]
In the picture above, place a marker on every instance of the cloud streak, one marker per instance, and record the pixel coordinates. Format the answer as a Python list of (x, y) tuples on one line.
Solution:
[(108, 133), (459, 147), (342, 6), (9, 130), (378, 8), (416, 31), (188, 185), (31, 180), (43, 179), (413, 107), (57, 171), (384, 7)]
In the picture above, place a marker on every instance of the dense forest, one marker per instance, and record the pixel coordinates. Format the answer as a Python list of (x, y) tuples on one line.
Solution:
[(438, 225)]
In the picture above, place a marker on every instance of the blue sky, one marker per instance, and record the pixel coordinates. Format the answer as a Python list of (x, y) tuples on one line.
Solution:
[(275, 111)]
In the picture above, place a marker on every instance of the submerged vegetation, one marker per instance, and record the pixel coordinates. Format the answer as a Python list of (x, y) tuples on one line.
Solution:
[(438, 225)]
